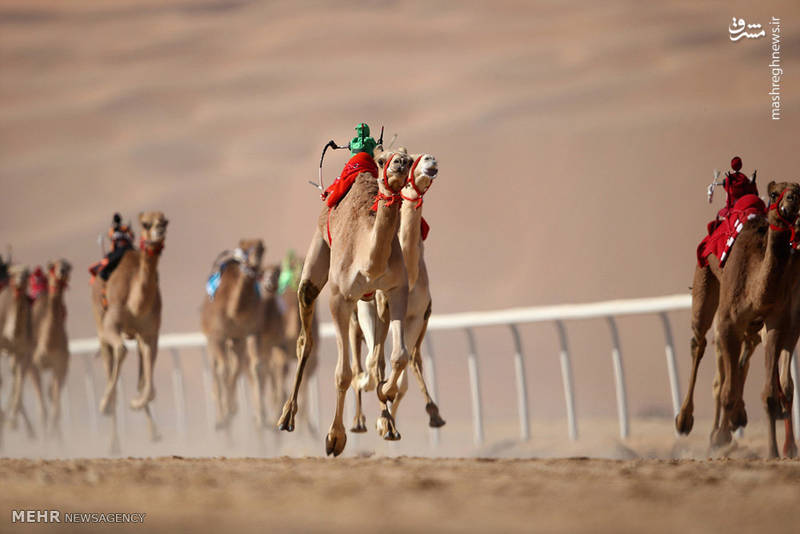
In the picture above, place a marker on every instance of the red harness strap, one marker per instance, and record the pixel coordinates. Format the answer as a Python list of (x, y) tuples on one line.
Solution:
[(789, 225), (413, 181), (391, 198)]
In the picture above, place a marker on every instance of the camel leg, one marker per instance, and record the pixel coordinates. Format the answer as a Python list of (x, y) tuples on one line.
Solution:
[(148, 348), (36, 380), (2, 417), (356, 338), (341, 310), (256, 367), (56, 387), (119, 351), (705, 299), (217, 350), (388, 391), (770, 395), (313, 279), (729, 343), (106, 353), (236, 360), (787, 390), (435, 420)]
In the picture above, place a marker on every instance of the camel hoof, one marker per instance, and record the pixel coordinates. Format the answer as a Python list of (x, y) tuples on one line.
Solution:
[(739, 417), (105, 405), (720, 437), (335, 441), (286, 421), (684, 422), (790, 449), (436, 420), (359, 424), (386, 427)]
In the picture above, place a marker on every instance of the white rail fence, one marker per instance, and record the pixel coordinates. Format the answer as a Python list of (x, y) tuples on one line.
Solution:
[(466, 322)]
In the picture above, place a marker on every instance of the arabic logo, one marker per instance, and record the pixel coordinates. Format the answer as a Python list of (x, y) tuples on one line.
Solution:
[(737, 30)]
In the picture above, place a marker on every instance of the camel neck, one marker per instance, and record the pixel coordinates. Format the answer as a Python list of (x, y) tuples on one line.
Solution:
[(148, 269), (22, 316), (243, 293), (411, 239), (384, 231)]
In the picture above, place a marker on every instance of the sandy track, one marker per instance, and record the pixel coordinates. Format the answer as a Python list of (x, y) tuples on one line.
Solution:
[(405, 494)]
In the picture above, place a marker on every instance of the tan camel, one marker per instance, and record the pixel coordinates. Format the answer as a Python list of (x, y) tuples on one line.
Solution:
[(16, 339), (750, 292), (362, 257), (423, 172), (128, 305), (233, 318), (51, 346)]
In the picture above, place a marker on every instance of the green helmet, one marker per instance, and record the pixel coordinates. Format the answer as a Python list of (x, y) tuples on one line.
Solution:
[(362, 142)]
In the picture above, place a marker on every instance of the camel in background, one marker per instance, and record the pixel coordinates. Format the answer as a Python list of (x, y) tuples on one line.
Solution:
[(235, 316), (365, 326), (16, 338), (358, 252), (750, 293), (51, 346), (128, 306)]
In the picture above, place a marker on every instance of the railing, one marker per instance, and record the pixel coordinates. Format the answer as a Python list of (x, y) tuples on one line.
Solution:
[(466, 322)]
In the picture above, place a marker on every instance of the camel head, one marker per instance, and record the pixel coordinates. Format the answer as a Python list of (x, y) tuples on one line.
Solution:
[(154, 230), (249, 254), (423, 172), (784, 202), (18, 279), (4, 264), (269, 280), (58, 272), (393, 168)]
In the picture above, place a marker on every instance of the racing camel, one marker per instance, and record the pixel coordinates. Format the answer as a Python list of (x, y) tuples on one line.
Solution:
[(357, 251), (412, 232), (51, 346), (128, 306), (16, 336), (234, 315), (750, 293)]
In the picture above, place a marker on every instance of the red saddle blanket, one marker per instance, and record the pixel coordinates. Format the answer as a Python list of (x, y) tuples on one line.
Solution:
[(722, 233), (361, 162), (37, 284)]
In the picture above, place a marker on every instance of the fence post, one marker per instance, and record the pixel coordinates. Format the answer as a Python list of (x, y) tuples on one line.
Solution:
[(430, 369), (672, 366), (566, 377), (91, 395), (796, 402), (475, 386), (619, 379), (179, 394), (522, 385)]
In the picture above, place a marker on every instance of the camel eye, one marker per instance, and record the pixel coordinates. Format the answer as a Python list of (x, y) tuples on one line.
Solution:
[(147, 225)]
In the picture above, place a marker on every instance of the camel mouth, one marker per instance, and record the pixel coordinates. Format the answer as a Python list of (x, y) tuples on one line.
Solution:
[(431, 172)]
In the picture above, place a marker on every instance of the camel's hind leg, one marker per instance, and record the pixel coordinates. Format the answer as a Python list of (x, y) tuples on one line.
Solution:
[(356, 339), (313, 279), (705, 299), (341, 310)]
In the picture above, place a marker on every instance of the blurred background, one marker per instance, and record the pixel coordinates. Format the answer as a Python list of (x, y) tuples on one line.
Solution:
[(575, 143)]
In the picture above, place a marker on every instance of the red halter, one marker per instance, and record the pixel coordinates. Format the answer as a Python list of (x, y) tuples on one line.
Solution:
[(789, 225), (412, 179), (151, 249), (391, 198)]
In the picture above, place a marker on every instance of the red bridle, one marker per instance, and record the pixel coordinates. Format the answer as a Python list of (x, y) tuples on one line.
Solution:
[(391, 198), (789, 224), (60, 282), (412, 179), (149, 248)]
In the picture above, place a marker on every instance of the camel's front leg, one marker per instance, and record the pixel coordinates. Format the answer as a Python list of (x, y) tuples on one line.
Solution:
[(705, 300), (119, 351), (110, 407), (313, 279), (216, 348), (148, 348), (770, 395), (36, 380), (341, 310), (787, 397), (388, 391), (15, 398), (729, 343), (236, 361), (435, 420), (56, 387), (256, 367)]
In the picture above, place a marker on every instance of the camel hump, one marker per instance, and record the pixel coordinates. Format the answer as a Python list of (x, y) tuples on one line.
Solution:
[(361, 162)]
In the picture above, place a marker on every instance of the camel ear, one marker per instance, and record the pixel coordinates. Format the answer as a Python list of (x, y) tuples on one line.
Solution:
[(380, 159), (50, 265), (771, 186)]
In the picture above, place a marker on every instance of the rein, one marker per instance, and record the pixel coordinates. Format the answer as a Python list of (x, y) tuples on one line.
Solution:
[(789, 225)]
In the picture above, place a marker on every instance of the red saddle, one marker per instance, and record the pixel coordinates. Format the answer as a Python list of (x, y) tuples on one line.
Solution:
[(722, 232)]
